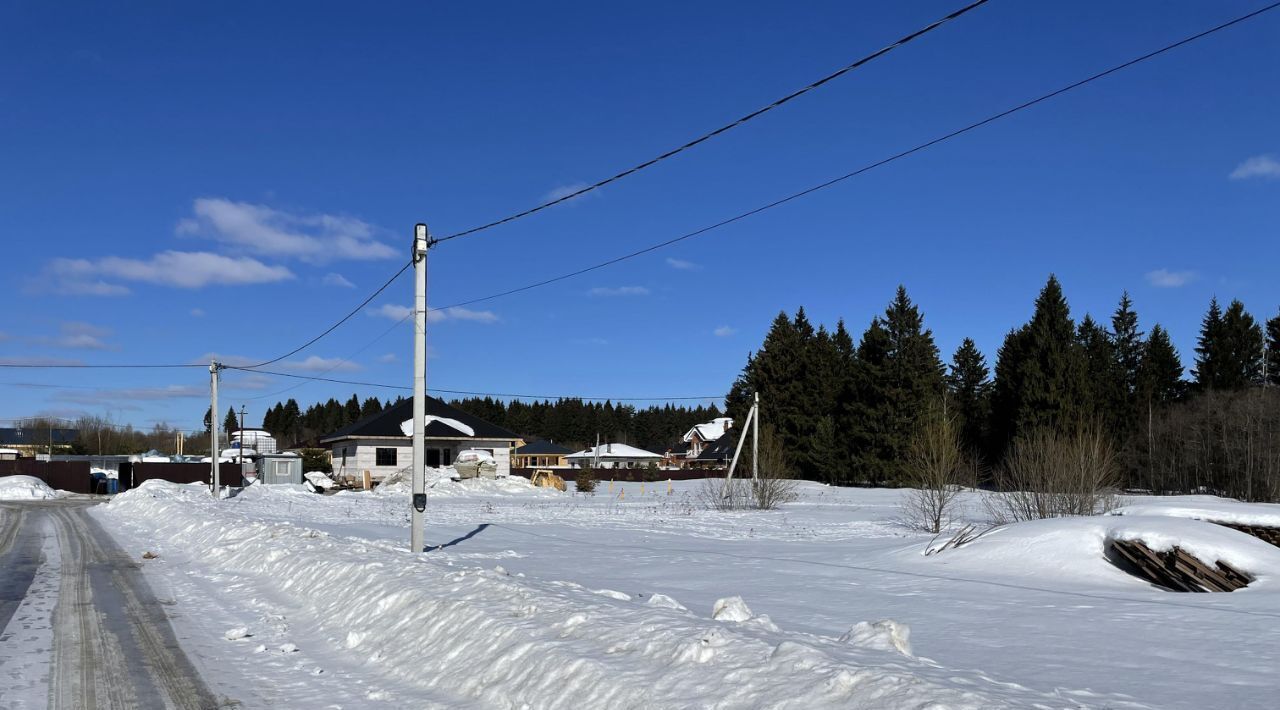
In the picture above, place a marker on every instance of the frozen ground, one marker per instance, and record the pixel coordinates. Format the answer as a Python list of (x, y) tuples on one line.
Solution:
[(546, 599)]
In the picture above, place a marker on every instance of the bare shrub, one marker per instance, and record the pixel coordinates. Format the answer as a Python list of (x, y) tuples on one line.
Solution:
[(773, 486), (1050, 474), (935, 466)]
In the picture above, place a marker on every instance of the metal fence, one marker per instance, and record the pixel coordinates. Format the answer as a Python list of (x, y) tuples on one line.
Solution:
[(229, 474), (635, 475), (71, 476)]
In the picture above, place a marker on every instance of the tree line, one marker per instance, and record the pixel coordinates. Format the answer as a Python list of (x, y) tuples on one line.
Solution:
[(574, 423), (847, 412)]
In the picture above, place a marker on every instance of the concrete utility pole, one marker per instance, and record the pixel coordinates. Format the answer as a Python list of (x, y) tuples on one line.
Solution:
[(421, 243), (214, 367), (240, 451)]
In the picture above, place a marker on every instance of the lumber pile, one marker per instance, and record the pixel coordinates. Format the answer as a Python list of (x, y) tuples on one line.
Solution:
[(1263, 533), (1176, 569)]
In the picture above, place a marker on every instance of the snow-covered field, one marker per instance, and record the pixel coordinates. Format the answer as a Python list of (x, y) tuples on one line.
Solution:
[(25, 488), (630, 598)]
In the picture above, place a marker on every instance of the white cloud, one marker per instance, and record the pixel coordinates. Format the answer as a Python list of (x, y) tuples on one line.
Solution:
[(333, 279), (38, 361), (197, 313), (79, 336), (131, 394), (315, 363), (566, 190), (388, 357), (1163, 278), (1259, 166), (395, 311), (313, 238), (180, 269), (682, 265), (620, 291), (723, 331)]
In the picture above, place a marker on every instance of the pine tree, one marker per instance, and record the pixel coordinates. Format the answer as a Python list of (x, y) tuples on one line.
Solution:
[(870, 409), (352, 412), (230, 422), (372, 406), (208, 418), (969, 392), (1273, 351), (1160, 376)]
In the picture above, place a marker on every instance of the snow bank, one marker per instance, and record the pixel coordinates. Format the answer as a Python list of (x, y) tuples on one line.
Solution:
[(25, 488), (1073, 550), (497, 640), (1211, 508), (442, 482)]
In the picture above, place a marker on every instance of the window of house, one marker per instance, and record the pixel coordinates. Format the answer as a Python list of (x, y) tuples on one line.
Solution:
[(385, 456)]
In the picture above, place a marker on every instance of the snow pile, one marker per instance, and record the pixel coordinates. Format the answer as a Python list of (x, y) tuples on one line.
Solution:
[(1073, 550), (444, 483), (496, 640), (1211, 508), (25, 488)]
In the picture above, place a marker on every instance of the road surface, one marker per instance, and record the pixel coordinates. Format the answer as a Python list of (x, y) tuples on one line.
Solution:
[(79, 626)]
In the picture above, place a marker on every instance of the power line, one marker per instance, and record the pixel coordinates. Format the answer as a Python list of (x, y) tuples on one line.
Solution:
[(725, 128), (344, 319), (872, 166), (45, 365), (357, 383)]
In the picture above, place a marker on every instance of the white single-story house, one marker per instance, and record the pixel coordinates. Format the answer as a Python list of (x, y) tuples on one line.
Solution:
[(382, 443), (614, 456)]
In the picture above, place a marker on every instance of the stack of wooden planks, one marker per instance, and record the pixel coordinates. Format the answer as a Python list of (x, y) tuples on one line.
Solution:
[(1263, 533), (1177, 570)]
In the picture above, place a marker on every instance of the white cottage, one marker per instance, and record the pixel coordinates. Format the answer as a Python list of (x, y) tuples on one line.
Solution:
[(382, 443), (614, 456)]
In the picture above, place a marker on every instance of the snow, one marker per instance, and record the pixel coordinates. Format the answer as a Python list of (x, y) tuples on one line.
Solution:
[(25, 488), (1211, 508), (540, 598), (615, 451), (406, 426)]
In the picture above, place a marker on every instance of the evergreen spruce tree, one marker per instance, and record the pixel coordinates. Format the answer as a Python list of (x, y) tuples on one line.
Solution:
[(1244, 348), (969, 394), (1128, 342), (230, 422), (352, 412), (1040, 371), (1106, 391), (1160, 376), (780, 377), (870, 409), (1272, 363), (1210, 347)]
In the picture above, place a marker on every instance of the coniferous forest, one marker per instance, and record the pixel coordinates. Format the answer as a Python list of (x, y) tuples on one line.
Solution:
[(846, 410)]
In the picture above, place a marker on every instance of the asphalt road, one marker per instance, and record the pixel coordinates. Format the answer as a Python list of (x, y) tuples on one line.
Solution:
[(79, 626)]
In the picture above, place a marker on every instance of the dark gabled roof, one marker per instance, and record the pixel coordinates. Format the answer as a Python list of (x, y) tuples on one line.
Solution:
[(543, 448), (721, 449), (387, 423), (37, 436), (679, 448)]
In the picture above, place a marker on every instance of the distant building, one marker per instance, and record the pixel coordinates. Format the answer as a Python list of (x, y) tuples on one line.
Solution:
[(30, 441), (382, 443), (542, 454), (259, 440), (696, 442), (614, 456)]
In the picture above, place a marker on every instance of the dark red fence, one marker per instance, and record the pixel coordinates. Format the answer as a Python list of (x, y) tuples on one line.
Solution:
[(229, 474), (636, 475), (71, 476)]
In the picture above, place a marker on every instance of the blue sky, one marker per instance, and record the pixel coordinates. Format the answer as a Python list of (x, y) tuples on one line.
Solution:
[(180, 180)]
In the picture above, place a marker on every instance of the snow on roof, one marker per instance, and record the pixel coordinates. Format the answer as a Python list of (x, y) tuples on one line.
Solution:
[(711, 430), (615, 451), (406, 426)]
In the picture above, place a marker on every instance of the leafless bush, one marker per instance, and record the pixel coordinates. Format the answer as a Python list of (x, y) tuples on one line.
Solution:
[(935, 467), (1050, 474), (773, 485)]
